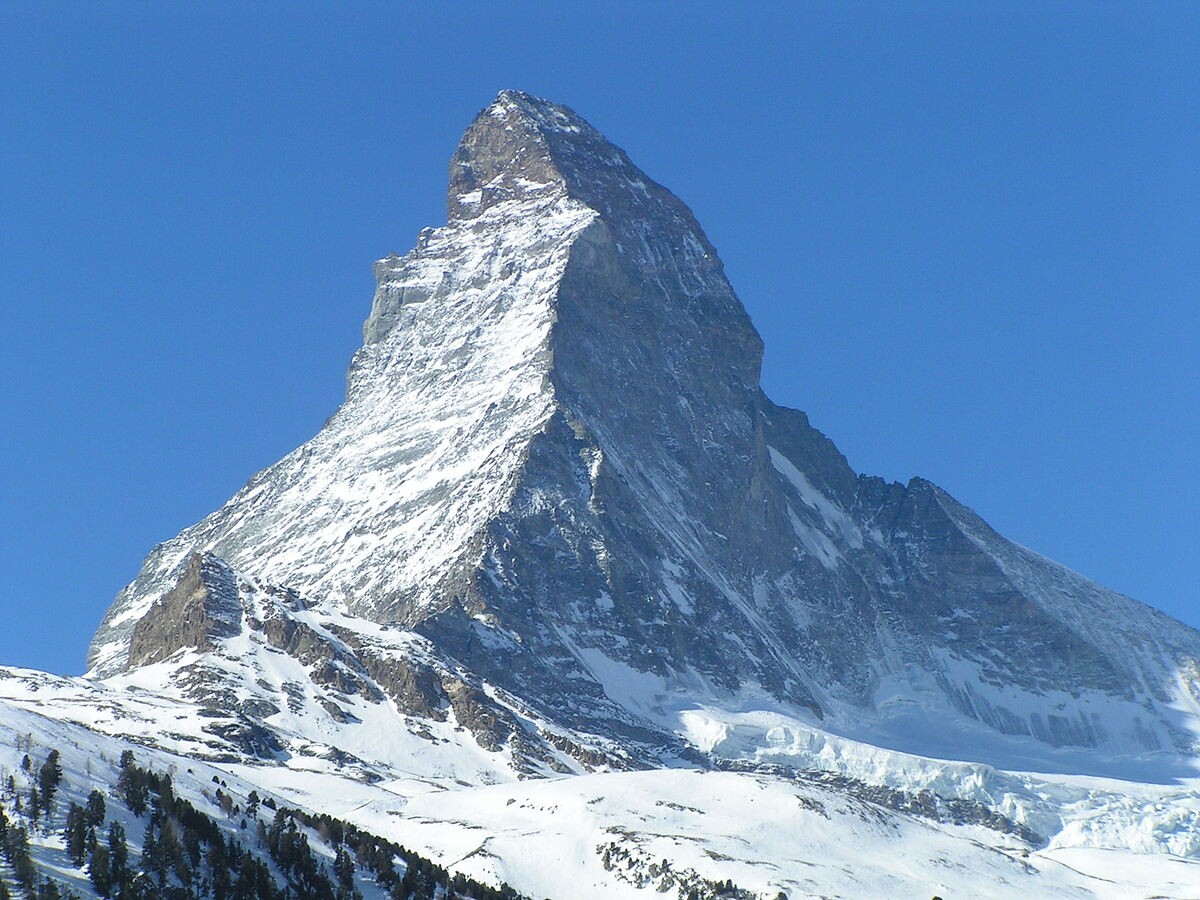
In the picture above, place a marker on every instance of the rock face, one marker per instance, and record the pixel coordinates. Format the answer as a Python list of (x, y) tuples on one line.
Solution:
[(201, 608), (555, 465)]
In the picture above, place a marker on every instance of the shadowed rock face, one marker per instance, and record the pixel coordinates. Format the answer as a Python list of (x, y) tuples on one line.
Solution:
[(555, 463)]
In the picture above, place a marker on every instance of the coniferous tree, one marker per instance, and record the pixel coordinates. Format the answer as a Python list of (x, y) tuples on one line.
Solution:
[(95, 809), (247, 877), (4, 894), (49, 778), (170, 853), (16, 847), (150, 855), (132, 785), (140, 887), (100, 870), (343, 867), (75, 834), (166, 792), (118, 853)]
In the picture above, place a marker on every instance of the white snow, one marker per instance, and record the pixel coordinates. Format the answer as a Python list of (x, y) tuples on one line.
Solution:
[(385, 500)]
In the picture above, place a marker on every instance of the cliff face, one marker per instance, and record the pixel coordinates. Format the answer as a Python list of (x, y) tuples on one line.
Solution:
[(200, 609), (555, 468)]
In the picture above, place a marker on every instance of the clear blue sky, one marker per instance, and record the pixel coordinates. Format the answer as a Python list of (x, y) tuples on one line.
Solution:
[(968, 234)]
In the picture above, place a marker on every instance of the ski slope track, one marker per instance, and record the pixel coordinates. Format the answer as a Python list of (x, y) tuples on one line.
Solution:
[(559, 597)]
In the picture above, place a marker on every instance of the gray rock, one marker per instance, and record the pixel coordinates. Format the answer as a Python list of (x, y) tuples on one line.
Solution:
[(200, 609)]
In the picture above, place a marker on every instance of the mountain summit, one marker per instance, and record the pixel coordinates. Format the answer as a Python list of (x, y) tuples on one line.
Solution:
[(556, 474)]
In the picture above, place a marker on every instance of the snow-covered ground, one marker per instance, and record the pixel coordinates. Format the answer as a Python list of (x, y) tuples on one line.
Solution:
[(634, 834), (90, 761)]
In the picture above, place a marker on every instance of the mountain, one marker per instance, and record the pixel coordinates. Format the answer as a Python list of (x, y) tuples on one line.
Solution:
[(555, 463), (557, 528)]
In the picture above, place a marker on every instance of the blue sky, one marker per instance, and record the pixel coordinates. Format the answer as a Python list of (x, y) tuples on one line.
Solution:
[(968, 234)]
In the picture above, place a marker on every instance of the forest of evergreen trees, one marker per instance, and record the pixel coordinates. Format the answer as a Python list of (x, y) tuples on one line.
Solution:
[(261, 852)]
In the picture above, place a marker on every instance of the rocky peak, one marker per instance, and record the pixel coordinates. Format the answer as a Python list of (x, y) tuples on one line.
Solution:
[(555, 465), (521, 146), (524, 148), (505, 154)]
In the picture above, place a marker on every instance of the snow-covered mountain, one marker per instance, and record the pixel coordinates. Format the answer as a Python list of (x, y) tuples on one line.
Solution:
[(557, 531)]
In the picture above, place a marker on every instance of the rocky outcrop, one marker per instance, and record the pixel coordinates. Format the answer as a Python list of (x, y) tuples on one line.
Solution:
[(202, 607)]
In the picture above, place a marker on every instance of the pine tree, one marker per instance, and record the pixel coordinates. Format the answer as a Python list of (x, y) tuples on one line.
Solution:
[(139, 887), (49, 778), (75, 834), (118, 853), (131, 784), (95, 809), (150, 855), (170, 853), (16, 846), (244, 889), (100, 870), (343, 867)]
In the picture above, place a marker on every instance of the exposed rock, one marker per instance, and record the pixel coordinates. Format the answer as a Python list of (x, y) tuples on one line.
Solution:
[(414, 687), (202, 607)]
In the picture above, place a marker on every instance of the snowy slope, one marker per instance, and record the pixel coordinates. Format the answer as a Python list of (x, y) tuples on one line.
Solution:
[(381, 506), (765, 834), (90, 762), (339, 743), (554, 462), (643, 834)]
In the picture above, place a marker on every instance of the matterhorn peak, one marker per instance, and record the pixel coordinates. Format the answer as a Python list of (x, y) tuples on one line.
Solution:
[(556, 470), (558, 567), (521, 146), (509, 152)]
